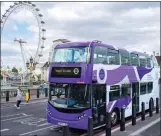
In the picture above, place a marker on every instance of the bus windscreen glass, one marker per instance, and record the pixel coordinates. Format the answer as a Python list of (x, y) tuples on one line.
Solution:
[(72, 96), (71, 55)]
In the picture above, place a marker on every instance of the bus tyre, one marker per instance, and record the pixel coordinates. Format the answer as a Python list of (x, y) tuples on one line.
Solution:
[(114, 117)]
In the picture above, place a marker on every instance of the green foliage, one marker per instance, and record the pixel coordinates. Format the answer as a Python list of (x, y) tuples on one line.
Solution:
[(14, 70)]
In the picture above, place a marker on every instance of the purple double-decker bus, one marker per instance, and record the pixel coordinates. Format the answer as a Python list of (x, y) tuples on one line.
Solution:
[(92, 78)]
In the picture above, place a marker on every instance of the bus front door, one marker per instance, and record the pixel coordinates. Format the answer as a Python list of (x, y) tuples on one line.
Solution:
[(99, 105), (135, 95)]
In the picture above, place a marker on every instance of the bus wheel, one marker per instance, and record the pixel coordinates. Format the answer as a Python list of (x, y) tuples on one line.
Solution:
[(114, 117)]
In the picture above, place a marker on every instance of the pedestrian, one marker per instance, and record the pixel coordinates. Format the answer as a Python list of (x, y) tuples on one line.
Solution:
[(18, 98)]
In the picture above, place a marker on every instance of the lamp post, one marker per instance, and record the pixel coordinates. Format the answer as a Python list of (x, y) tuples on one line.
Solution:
[(30, 66)]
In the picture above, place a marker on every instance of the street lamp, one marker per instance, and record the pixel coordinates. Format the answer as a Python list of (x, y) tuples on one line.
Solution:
[(30, 65)]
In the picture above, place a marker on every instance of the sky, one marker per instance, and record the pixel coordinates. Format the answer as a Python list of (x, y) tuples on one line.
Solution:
[(130, 25)]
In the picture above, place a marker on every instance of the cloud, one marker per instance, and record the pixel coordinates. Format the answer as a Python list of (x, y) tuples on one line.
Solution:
[(131, 25)]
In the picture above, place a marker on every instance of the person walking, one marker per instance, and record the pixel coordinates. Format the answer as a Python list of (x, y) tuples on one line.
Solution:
[(18, 98)]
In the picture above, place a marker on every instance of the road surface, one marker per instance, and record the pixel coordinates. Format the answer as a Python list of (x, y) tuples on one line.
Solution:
[(31, 120)]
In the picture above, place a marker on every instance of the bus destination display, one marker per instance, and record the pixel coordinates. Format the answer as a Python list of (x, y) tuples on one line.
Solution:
[(66, 72)]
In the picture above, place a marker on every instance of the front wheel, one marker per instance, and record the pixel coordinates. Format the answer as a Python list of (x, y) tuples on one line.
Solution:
[(114, 117)]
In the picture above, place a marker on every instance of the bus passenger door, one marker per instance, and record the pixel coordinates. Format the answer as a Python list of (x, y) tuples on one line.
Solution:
[(135, 95), (99, 104)]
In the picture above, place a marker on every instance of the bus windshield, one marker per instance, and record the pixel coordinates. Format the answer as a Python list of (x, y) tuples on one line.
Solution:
[(70, 96), (71, 55)]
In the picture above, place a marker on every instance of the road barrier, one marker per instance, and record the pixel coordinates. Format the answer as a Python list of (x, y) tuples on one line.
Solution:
[(157, 105), (108, 124), (66, 130), (122, 121), (133, 114), (150, 108), (90, 126), (142, 111)]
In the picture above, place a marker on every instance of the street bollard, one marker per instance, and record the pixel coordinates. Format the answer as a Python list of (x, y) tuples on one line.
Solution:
[(7, 96), (108, 124), (133, 114), (65, 130), (122, 122), (46, 92), (150, 108), (143, 111), (90, 126), (29, 93), (38, 93), (157, 105)]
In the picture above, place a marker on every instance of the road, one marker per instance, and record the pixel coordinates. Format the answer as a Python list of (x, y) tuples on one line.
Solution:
[(31, 120), (155, 130)]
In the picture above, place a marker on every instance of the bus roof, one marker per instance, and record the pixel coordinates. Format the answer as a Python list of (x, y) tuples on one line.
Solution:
[(76, 44)]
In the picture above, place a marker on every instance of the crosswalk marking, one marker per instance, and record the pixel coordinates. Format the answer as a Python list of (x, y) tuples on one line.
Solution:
[(6, 129), (11, 115), (15, 118)]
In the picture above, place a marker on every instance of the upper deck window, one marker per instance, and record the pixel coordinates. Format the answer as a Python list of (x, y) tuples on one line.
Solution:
[(100, 55), (142, 61), (148, 62), (71, 55), (113, 57), (134, 59), (125, 60)]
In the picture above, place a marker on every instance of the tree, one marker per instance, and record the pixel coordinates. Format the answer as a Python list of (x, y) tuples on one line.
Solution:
[(14, 70), (39, 77)]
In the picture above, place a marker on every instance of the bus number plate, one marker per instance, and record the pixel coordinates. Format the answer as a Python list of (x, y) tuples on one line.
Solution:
[(62, 124)]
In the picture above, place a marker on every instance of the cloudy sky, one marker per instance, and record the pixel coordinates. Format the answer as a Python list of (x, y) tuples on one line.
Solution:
[(135, 26)]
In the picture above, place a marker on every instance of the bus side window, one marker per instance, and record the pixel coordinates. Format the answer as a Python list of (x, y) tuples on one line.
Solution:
[(100, 55), (134, 59), (113, 57), (149, 87), (143, 89), (114, 93), (149, 63), (125, 59), (142, 61), (125, 90)]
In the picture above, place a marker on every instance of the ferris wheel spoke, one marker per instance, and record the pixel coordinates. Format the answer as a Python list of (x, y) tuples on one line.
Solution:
[(28, 6)]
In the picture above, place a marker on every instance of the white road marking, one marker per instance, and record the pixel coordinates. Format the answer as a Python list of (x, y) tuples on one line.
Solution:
[(6, 129), (127, 124), (11, 115), (15, 118), (30, 120), (145, 127), (43, 124), (35, 131), (24, 114)]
